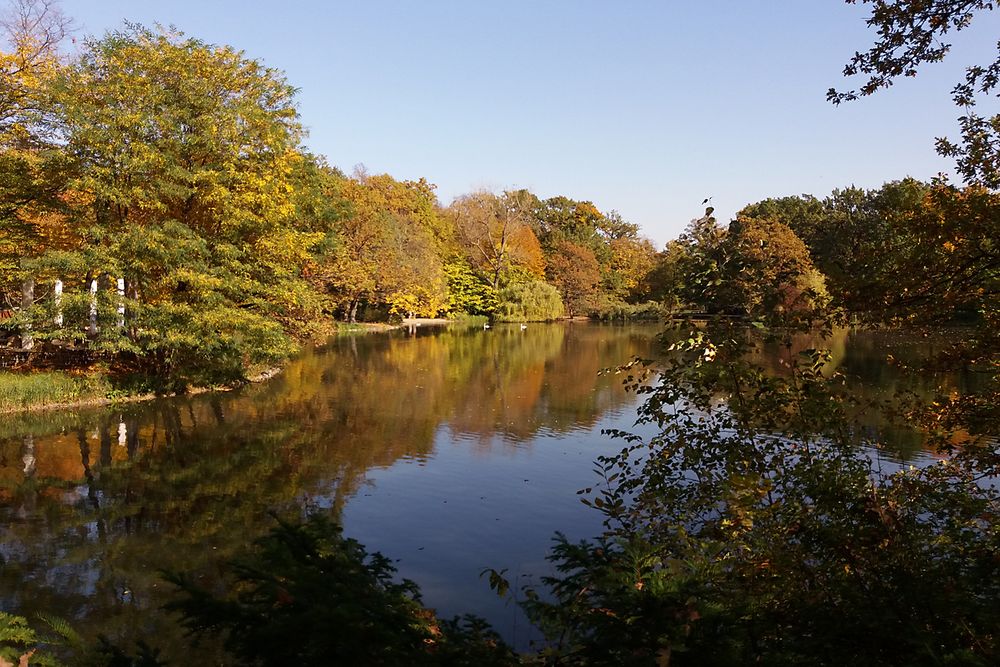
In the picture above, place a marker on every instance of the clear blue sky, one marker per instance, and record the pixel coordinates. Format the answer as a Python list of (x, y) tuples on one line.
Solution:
[(643, 107)]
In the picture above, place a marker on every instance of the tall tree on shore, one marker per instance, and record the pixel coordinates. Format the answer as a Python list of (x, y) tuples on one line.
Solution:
[(495, 231), (574, 271), (176, 145), (32, 166)]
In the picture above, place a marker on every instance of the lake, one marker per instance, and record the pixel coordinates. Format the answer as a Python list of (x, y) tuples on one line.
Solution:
[(450, 450)]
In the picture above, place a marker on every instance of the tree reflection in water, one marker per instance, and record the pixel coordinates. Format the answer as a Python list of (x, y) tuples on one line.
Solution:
[(502, 425)]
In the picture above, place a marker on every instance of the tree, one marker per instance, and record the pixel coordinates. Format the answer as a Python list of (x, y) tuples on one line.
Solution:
[(769, 272), (632, 260), (182, 154), (32, 168), (700, 256), (33, 31), (529, 301), (851, 234), (467, 291), (496, 234), (386, 248), (574, 271), (912, 33), (666, 278)]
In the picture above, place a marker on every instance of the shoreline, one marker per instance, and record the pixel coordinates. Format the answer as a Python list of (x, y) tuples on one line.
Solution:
[(257, 378)]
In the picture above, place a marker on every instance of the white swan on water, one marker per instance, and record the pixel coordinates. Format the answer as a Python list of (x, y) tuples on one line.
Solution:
[(523, 327)]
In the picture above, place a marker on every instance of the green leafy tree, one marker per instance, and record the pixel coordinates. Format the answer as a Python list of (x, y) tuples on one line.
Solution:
[(183, 154), (468, 292)]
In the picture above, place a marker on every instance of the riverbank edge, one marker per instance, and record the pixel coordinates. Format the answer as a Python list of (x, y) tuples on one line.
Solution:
[(258, 377)]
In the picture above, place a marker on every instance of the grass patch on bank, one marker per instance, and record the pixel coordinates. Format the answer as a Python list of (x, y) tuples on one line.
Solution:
[(20, 391), (466, 320)]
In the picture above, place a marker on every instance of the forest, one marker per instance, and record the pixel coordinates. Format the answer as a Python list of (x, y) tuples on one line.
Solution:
[(161, 222)]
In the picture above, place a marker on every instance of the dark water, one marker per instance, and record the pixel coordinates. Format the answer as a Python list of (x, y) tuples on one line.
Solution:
[(450, 450)]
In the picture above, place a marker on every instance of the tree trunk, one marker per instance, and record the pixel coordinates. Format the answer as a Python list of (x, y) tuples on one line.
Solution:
[(121, 303), (57, 301), (27, 301), (93, 307)]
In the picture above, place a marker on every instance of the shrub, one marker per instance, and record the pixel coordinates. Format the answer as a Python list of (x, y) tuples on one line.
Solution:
[(532, 301)]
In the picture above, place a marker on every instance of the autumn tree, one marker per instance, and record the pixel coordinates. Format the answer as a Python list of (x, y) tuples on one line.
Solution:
[(667, 276), (632, 261), (851, 234), (182, 155), (769, 272), (496, 233), (33, 169), (574, 271), (387, 248)]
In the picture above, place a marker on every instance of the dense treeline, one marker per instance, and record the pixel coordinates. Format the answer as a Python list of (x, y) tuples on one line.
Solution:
[(157, 204), (911, 250)]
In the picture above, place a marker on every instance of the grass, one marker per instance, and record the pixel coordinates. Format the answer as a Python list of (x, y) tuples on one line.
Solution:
[(20, 391), (464, 319)]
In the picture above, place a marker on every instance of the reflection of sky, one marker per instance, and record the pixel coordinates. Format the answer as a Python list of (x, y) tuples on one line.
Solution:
[(475, 505)]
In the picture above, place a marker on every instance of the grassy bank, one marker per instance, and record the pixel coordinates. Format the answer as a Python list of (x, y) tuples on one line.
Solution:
[(26, 391)]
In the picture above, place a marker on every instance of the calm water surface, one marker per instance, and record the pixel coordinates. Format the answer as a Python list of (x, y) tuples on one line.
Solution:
[(451, 450)]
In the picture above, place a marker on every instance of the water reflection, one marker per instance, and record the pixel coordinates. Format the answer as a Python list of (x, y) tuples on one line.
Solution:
[(97, 502), (451, 450)]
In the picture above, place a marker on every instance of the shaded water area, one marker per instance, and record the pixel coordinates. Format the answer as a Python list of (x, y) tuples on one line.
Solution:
[(450, 450)]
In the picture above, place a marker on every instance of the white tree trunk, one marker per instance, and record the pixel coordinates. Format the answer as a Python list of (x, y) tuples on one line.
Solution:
[(121, 303), (57, 299), (93, 307)]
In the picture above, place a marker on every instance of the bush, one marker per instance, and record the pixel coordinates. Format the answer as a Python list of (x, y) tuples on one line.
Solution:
[(760, 530), (308, 596), (532, 301)]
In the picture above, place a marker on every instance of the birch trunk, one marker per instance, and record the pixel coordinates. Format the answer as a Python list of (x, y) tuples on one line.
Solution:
[(57, 300)]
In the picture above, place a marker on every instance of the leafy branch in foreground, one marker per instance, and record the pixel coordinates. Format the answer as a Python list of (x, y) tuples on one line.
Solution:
[(912, 33), (306, 595), (756, 527)]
